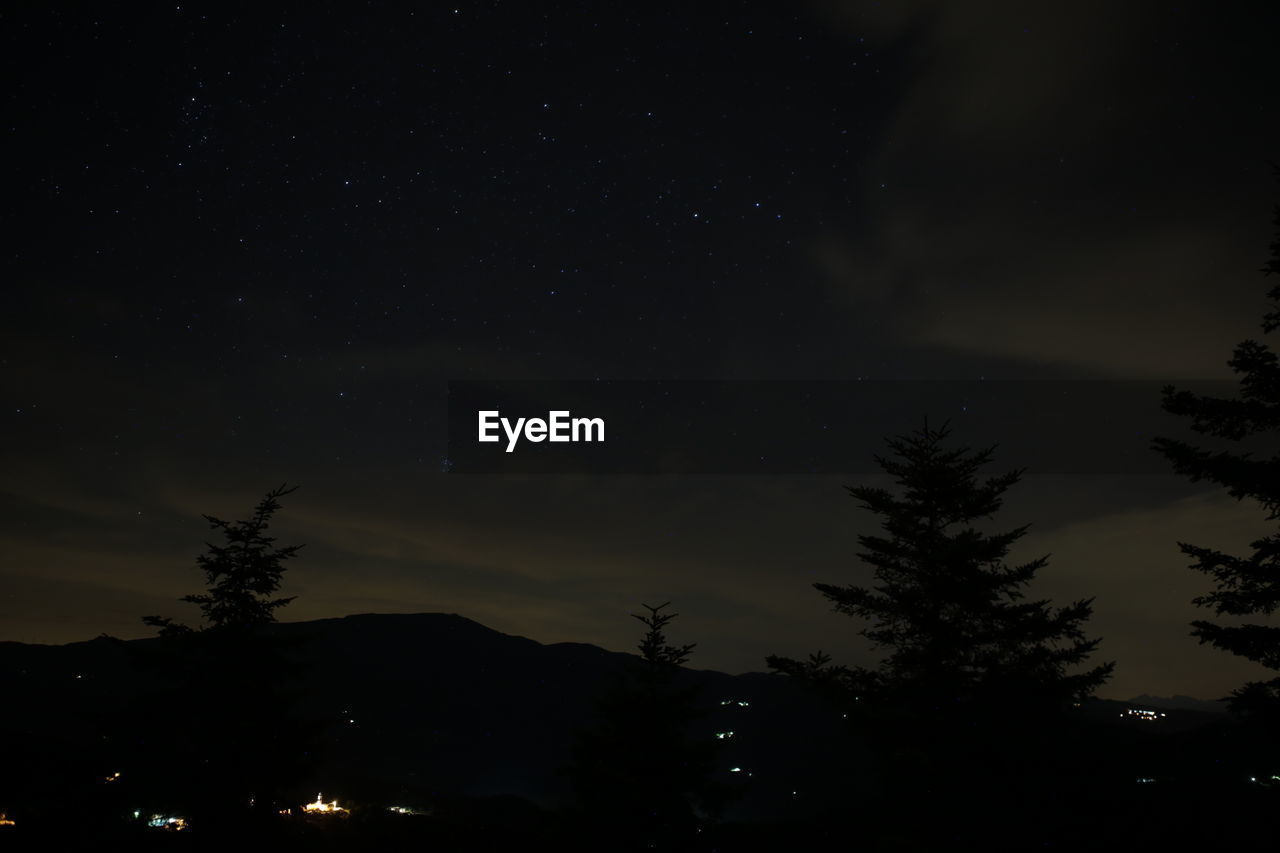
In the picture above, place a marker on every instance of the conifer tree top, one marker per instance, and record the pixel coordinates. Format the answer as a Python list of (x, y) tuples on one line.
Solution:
[(946, 608), (242, 575), (1246, 465)]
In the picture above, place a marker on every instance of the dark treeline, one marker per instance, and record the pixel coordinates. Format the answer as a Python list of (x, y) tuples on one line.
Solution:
[(977, 729)]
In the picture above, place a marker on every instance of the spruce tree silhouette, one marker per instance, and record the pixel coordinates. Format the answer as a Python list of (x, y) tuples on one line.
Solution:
[(644, 782), (974, 674), (948, 609), (241, 575), (1245, 586), (230, 744)]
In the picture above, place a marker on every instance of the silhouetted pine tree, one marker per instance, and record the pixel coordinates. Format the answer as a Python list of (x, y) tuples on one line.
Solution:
[(644, 782), (1244, 585), (973, 694), (225, 735), (947, 608), (242, 575)]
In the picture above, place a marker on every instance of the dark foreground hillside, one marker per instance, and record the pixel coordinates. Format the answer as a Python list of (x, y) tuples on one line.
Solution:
[(431, 728)]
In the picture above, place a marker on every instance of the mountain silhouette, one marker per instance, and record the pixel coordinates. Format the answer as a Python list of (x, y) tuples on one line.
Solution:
[(1180, 703), (414, 707)]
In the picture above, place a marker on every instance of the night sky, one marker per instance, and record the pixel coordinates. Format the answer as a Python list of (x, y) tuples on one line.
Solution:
[(250, 245)]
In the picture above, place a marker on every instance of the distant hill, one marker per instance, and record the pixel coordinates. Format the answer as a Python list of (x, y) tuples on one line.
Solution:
[(1180, 703), (414, 708), (419, 705), (470, 729)]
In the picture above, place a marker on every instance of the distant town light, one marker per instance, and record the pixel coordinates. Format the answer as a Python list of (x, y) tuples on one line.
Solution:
[(403, 810), (1142, 714), (321, 807)]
